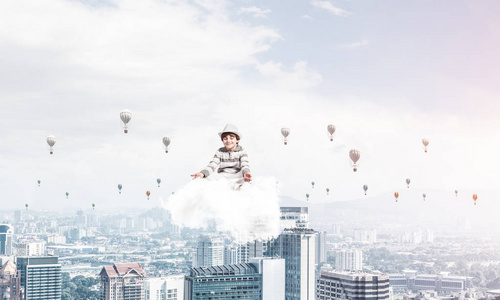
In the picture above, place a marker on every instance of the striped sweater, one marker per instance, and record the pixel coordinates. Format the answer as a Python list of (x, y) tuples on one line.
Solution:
[(228, 162)]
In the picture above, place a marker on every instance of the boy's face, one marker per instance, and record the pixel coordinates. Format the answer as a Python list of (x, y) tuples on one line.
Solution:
[(230, 142)]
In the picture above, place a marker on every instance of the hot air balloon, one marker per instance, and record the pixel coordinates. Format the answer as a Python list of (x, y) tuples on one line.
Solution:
[(475, 198), (148, 193), (365, 187), (93, 206), (408, 182), (158, 181), (285, 132), (120, 188), (426, 143), (39, 182), (456, 193), (396, 195), (67, 194), (424, 195), (307, 197), (327, 191), (125, 116), (51, 140), (312, 183), (26, 205), (166, 142), (331, 130), (354, 154)]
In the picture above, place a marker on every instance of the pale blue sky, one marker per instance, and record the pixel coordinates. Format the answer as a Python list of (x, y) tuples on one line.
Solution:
[(386, 73)]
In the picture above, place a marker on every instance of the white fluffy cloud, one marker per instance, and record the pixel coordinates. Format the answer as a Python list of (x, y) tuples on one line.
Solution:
[(330, 8), (255, 11)]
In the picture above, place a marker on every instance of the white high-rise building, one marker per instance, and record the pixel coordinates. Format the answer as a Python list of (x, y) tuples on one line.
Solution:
[(321, 247), (349, 260), (273, 276), (365, 236), (210, 252), (292, 217), (30, 248), (165, 288), (298, 247)]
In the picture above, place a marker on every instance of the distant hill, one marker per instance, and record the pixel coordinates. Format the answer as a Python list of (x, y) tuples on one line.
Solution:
[(441, 210)]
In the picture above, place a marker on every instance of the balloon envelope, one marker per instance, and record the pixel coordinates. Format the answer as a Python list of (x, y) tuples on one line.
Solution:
[(354, 154), (331, 129), (125, 116), (285, 131), (166, 141), (51, 140)]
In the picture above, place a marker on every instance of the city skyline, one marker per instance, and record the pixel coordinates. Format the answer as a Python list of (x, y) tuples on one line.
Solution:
[(387, 74)]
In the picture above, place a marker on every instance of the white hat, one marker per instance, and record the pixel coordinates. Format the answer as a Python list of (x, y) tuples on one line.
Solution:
[(230, 128)]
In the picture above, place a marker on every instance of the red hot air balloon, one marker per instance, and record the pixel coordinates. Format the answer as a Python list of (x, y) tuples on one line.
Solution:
[(396, 195), (148, 193), (474, 197)]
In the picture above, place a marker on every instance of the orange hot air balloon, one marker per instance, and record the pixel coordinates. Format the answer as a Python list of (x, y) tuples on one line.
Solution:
[(475, 198), (148, 193), (396, 194)]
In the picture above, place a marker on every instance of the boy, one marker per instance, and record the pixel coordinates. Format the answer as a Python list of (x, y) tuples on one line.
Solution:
[(231, 160)]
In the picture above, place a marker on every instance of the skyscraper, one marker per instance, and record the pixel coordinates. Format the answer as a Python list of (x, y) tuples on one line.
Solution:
[(349, 260), (6, 233), (298, 247), (352, 285), (122, 282), (40, 277), (294, 217), (210, 252)]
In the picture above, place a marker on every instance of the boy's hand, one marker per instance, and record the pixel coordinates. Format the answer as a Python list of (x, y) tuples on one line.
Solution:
[(247, 177), (197, 175)]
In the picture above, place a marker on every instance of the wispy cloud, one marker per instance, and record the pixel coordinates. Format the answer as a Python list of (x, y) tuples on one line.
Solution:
[(255, 11), (307, 17), (329, 7), (353, 45)]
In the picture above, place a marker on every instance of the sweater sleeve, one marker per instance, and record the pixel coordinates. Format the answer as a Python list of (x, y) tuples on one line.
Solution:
[(212, 165), (245, 165)]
